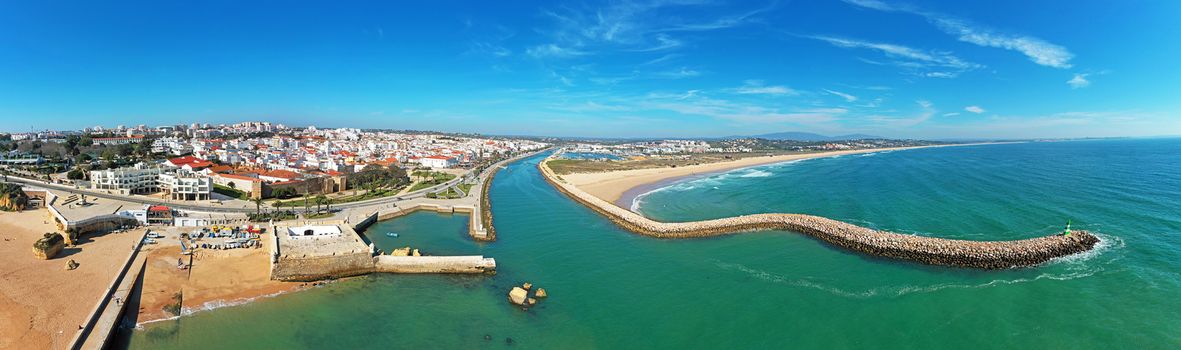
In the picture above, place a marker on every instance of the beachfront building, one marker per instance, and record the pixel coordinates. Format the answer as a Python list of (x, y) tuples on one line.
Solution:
[(143, 178), (139, 179), (186, 185), (437, 162)]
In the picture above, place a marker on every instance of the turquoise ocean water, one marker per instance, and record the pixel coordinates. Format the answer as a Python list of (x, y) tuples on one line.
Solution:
[(613, 289)]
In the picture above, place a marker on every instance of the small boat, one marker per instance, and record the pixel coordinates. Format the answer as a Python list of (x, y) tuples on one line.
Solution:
[(391, 234)]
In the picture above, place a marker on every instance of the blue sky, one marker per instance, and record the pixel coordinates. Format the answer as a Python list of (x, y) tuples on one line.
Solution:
[(661, 68)]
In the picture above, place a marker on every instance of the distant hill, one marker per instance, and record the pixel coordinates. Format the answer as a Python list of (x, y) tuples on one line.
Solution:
[(807, 136)]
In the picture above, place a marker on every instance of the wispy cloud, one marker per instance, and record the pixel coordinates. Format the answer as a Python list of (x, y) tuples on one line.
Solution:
[(952, 114), (481, 47), (663, 42), (1079, 81), (757, 87), (974, 109), (636, 26), (935, 64), (1039, 51), (847, 97), (552, 50), (681, 73)]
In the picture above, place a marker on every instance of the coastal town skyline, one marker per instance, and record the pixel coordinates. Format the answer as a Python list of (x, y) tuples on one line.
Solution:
[(590, 174), (599, 69)]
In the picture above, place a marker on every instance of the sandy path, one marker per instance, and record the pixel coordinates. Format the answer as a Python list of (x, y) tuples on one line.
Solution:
[(42, 304)]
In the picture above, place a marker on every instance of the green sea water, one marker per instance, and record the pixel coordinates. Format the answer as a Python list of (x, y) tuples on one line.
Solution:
[(613, 289)]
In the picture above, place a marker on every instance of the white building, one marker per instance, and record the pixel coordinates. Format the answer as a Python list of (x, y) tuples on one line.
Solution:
[(140, 178), (146, 179), (437, 162), (186, 185)]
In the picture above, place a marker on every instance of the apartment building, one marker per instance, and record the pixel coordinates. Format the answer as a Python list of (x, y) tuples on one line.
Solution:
[(139, 179)]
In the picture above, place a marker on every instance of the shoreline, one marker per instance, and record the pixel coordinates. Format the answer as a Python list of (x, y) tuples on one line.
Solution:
[(623, 187)]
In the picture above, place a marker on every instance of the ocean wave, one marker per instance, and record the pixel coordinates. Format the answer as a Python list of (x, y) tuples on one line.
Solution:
[(1106, 242), (756, 173), (896, 291)]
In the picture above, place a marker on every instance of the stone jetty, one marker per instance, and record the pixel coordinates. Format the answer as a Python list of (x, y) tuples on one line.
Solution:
[(927, 250)]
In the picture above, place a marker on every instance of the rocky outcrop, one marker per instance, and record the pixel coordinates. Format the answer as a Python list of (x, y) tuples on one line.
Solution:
[(12, 197), (49, 246), (518, 296), (928, 250)]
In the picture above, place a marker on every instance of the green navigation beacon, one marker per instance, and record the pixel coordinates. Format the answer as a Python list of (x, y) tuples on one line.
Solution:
[(1067, 231)]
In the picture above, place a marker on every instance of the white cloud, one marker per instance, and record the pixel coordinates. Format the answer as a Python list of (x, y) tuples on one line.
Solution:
[(1079, 81), (924, 103), (952, 114), (974, 109), (663, 42), (756, 87), (636, 26), (847, 97), (677, 74), (1039, 51), (551, 50), (935, 64)]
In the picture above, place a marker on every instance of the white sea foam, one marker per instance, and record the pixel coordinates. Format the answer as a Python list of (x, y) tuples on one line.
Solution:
[(756, 173), (896, 291), (211, 305)]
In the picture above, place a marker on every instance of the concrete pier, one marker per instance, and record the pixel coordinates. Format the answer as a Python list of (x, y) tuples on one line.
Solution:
[(433, 264), (928, 250)]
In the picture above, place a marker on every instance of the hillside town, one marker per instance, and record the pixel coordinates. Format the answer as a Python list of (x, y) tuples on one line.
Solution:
[(248, 161)]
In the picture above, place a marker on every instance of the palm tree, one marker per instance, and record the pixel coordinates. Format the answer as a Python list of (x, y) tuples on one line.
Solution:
[(321, 200), (258, 206)]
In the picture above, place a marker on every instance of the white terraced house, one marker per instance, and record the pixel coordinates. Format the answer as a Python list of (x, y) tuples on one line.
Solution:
[(138, 179), (146, 179), (186, 185)]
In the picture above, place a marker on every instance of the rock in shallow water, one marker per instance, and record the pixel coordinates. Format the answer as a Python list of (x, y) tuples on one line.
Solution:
[(518, 296)]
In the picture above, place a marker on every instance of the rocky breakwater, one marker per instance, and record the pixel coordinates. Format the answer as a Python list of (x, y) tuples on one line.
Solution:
[(928, 250)]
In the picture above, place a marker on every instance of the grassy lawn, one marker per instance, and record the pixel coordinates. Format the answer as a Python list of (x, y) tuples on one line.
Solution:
[(231, 192), (450, 193), (467, 188), (434, 178)]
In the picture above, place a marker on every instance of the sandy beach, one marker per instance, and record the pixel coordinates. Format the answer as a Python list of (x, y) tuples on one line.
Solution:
[(42, 303), (217, 277), (611, 186)]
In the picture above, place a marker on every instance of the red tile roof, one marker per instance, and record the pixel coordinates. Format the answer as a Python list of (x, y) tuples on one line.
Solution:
[(282, 174), (239, 177)]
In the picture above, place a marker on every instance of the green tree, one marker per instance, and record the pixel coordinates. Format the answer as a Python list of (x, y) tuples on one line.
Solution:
[(321, 200), (108, 155)]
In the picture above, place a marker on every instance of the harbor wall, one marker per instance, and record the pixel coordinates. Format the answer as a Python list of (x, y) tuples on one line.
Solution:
[(434, 264), (315, 268), (927, 250)]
